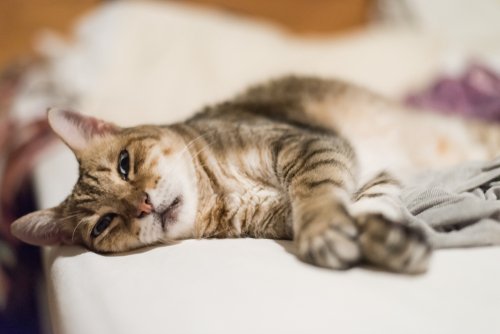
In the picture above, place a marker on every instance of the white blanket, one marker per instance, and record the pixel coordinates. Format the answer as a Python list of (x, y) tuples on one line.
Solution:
[(134, 63)]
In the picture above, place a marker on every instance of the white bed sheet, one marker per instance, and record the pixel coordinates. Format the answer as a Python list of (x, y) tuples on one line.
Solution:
[(257, 286), (237, 286)]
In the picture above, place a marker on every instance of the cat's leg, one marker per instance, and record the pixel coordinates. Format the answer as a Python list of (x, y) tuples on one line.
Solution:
[(384, 240), (330, 229), (319, 175)]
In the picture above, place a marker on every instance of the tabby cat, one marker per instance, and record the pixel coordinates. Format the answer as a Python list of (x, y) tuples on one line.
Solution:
[(317, 161)]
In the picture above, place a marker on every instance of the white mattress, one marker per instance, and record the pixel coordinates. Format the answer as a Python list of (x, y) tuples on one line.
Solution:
[(161, 62)]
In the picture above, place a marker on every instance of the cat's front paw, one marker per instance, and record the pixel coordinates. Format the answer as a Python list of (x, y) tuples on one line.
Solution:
[(330, 243), (392, 246)]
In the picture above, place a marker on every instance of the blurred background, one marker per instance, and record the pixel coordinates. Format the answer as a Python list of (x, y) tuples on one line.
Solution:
[(158, 61)]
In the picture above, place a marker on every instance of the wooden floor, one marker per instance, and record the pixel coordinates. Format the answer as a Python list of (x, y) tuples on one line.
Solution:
[(20, 20)]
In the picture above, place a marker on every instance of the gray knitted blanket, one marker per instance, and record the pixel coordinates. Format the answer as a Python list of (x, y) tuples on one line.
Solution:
[(458, 207)]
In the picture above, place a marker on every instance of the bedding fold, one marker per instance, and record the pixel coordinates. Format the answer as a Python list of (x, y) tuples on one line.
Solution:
[(457, 207)]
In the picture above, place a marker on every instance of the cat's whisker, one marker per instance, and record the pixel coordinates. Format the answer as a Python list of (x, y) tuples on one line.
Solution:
[(67, 218), (193, 156), (201, 150), (196, 154), (74, 230), (190, 143)]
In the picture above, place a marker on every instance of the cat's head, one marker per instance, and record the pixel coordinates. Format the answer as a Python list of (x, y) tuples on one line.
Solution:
[(136, 187)]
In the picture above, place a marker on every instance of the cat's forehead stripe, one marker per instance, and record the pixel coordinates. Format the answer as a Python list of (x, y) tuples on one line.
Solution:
[(88, 188), (88, 177), (140, 138), (102, 168)]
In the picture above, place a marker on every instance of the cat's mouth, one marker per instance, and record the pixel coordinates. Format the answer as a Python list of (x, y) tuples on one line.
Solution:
[(169, 215)]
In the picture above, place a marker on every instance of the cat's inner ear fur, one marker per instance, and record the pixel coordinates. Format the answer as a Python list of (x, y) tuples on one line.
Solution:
[(39, 228), (78, 130)]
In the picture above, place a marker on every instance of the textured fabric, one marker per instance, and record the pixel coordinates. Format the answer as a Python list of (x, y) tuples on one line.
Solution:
[(457, 207)]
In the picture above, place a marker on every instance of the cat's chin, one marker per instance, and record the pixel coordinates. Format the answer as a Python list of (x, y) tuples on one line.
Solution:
[(170, 215)]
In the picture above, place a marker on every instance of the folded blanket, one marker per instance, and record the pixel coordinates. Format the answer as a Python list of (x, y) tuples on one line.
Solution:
[(458, 207)]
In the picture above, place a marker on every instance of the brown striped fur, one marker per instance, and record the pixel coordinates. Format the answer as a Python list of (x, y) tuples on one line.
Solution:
[(317, 161)]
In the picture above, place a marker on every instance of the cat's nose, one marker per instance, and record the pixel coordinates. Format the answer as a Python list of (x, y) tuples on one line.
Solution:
[(145, 207)]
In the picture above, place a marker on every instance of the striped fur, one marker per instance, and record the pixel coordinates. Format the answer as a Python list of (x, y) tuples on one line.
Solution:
[(318, 161)]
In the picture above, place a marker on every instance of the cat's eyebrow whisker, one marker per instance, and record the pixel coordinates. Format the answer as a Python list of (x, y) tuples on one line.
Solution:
[(197, 153), (74, 230), (208, 132), (201, 150), (191, 142), (67, 218), (193, 156), (187, 146), (62, 220)]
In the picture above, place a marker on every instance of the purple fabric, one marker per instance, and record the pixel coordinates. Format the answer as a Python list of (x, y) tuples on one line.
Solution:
[(476, 93)]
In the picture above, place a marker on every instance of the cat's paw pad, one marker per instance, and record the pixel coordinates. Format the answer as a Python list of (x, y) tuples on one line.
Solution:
[(330, 245), (393, 246)]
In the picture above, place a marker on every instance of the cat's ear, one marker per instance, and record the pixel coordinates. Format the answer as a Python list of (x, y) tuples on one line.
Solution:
[(39, 228), (78, 130)]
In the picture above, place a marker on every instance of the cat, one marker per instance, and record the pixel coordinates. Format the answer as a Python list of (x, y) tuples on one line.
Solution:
[(314, 160)]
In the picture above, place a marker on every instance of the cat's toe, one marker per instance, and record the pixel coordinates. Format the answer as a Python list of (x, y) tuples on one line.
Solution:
[(330, 247), (393, 246)]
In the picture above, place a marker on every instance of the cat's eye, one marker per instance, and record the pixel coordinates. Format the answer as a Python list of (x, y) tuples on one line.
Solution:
[(124, 164), (102, 224)]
